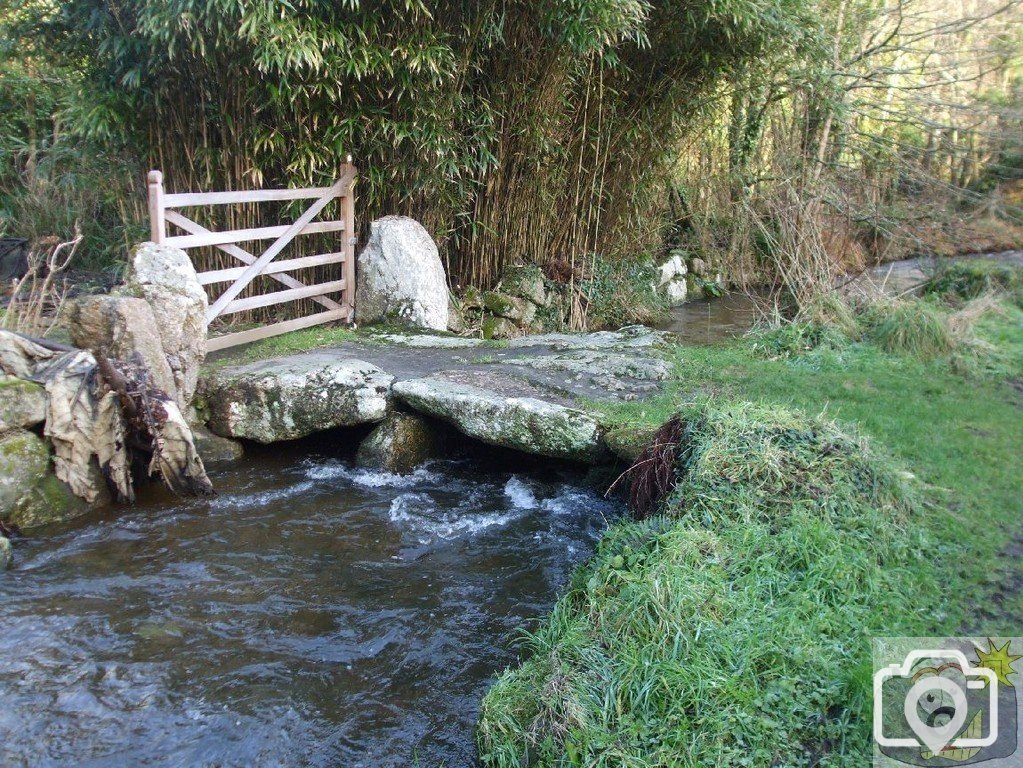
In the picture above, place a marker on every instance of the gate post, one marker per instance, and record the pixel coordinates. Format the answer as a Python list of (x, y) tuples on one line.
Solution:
[(157, 222)]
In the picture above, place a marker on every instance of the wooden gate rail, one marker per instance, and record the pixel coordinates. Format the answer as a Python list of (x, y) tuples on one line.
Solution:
[(162, 212)]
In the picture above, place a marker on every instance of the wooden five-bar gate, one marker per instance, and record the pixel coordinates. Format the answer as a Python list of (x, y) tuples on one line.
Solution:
[(163, 211)]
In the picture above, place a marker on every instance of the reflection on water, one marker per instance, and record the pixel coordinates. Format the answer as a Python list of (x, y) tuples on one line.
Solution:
[(708, 321), (313, 614)]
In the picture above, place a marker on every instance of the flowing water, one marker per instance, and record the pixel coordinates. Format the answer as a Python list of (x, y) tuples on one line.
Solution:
[(710, 321), (313, 614)]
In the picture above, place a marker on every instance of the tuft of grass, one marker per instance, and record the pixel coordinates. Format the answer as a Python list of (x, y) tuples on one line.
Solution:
[(910, 326), (791, 339), (833, 311), (731, 630)]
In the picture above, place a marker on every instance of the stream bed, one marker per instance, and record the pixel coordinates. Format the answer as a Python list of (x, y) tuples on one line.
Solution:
[(313, 614)]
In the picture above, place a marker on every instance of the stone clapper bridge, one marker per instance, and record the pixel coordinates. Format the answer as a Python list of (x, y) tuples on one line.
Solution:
[(530, 394)]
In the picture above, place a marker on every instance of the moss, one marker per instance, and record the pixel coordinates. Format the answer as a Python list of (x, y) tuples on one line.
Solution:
[(472, 298), (498, 303), (497, 327), (30, 494), (9, 383), (628, 442), (49, 501), (22, 403)]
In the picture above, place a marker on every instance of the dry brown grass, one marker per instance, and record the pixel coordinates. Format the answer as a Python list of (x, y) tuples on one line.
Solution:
[(37, 300)]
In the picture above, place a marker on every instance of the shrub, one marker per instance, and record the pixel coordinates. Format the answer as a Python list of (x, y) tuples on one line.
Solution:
[(732, 629), (514, 131)]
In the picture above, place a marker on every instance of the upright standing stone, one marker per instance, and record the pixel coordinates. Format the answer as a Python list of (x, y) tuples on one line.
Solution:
[(401, 278), (121, 327), (166, 279)]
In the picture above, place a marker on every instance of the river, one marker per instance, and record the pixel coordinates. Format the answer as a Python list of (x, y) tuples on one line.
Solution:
[(313, 614)]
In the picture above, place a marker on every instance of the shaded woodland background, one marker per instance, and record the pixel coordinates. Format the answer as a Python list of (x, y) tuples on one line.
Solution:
[(782, 140)]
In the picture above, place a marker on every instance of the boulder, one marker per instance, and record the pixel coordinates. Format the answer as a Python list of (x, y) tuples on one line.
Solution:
[(520, 311), (22, 403), (676, 291), (528, 424), (400, 276), (6, 553), (30, 494), (698, 266), (400, 443), (456, 319), (671, 270), (215, 449), (24, 462), (122, 327), (166, 279), (672, 280), (49, 501), (527, 282), (275, 400), (498, 328), (628, 443)]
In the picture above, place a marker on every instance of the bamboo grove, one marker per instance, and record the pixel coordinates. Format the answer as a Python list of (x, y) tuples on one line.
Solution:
[(558, 130)]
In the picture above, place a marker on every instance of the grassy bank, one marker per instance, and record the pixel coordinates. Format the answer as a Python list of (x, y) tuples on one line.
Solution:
[(733, 628)]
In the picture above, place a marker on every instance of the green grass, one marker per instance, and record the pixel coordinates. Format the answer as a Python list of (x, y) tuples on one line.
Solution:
[(288, 344), (737, 631), (970, 278), (955, 422)]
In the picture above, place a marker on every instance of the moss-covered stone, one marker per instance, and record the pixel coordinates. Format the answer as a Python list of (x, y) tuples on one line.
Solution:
[(30, 494), (6, 553), (400, 443), (456, 317), (24, 461), (22, 403), (472, 298), (526, 281), (526, 424), (293, 397), (49, 501), (627, 443), (498, 328), (521, 311)]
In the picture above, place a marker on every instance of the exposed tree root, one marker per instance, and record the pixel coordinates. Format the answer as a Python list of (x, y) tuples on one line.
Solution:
[(653, 476)]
